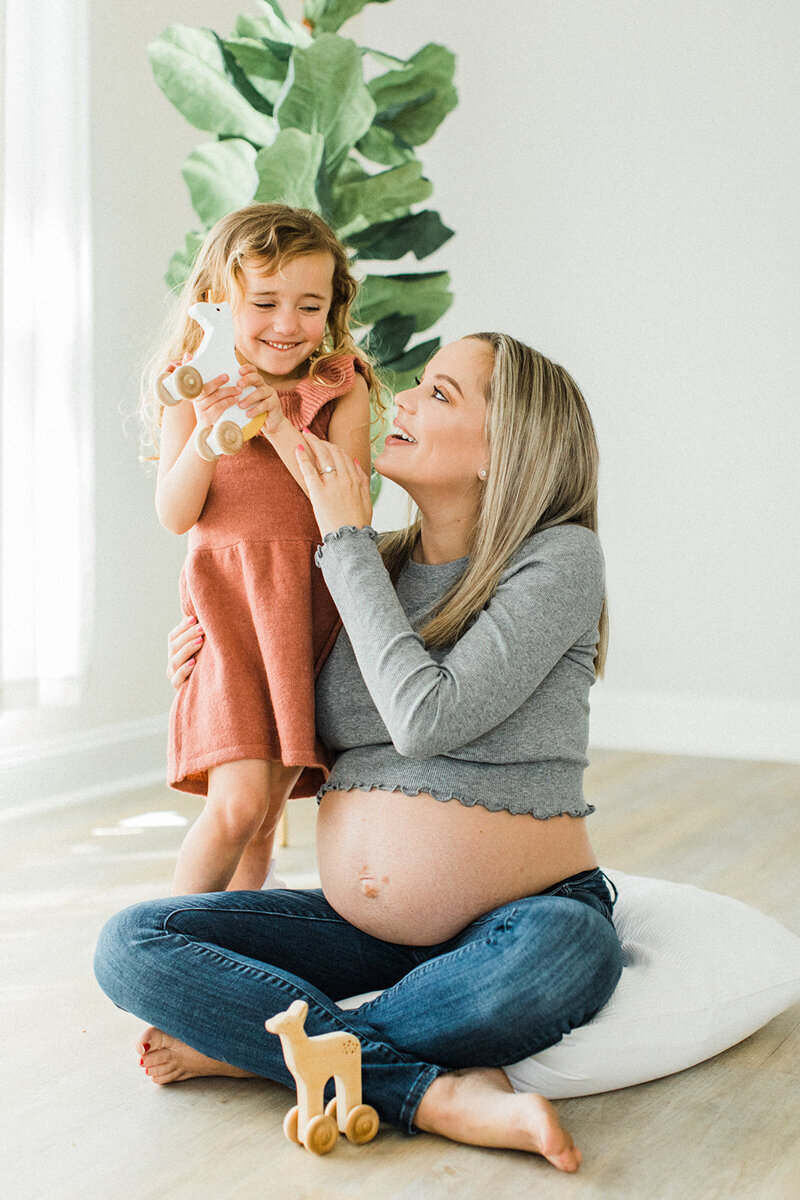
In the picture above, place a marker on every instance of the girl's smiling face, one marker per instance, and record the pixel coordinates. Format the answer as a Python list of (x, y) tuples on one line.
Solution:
[(281, 318), (437, 444)]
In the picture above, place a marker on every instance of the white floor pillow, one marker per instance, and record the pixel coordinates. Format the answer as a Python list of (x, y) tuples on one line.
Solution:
[(701, 972)]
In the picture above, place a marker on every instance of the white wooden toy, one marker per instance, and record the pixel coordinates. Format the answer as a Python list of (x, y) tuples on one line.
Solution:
[(313, 1061), (216, 355)]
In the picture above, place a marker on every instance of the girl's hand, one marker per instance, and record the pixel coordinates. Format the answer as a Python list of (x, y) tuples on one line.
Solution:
[(216, 397), (263, 400), (337, 486), (183, 644)]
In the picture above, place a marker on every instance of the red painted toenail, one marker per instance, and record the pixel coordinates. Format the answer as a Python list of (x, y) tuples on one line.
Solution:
[(141, 1062), (146, 1046)]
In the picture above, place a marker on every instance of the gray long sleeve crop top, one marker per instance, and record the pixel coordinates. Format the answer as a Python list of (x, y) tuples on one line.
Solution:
[(500, 718)]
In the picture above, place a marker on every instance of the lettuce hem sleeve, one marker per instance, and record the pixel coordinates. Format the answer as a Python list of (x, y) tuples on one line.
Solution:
[(343, 534)]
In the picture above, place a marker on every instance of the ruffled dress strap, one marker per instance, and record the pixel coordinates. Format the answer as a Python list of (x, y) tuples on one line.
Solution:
[(302, 403)]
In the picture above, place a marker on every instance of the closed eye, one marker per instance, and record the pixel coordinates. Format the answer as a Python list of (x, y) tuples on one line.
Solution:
[(306, 308)]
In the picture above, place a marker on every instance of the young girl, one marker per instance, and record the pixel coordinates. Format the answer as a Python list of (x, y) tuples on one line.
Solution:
[(242, 729)]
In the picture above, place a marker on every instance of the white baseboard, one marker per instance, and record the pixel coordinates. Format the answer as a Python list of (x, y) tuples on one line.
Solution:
[(58, 771), (707, 726)]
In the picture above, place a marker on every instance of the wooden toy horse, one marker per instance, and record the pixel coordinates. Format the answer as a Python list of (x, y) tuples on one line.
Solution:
[(312, 1062), (216, 355)]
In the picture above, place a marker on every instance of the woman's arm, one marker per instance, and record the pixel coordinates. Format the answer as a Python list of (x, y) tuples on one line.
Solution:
[(348, 429), (547, 600)]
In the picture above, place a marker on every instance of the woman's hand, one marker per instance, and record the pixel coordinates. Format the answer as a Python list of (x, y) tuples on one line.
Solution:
[(337, 486), (183, 644)]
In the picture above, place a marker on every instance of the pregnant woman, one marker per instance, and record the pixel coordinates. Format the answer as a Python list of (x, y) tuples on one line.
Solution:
[(457, 873)]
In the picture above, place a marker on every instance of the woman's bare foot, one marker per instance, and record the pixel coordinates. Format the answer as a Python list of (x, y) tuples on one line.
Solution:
[(166, 1060), (481, 1108)]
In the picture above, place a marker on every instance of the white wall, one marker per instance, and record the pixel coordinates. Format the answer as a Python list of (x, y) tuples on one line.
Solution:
[(140, 214), (622, 179)]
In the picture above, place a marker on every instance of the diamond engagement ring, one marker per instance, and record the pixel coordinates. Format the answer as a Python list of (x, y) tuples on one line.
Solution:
[(325, 470)]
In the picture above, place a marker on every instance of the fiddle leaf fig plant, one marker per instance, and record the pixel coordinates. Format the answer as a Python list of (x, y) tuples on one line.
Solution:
[(303, 115)]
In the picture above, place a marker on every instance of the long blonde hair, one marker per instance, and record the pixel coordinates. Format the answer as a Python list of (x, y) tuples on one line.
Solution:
[(542, 471), (270, 235)]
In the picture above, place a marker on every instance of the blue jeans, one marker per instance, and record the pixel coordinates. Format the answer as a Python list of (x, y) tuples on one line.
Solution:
[(210, 969)]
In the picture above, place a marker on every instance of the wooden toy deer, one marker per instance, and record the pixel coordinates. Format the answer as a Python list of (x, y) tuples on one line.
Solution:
[(313, 1061), (216, 355)]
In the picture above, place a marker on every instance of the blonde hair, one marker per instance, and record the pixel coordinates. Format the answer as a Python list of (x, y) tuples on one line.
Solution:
[(542, 471), (271, 235)]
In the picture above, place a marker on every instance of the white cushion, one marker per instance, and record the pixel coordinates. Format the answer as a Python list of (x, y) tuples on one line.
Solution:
[(701, 972)]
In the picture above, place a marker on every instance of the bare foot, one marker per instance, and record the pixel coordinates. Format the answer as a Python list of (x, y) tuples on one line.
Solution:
[(480, 1107), (166, 1060)]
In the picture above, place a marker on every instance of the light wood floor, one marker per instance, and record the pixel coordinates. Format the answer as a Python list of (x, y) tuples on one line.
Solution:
[(81, 1120)]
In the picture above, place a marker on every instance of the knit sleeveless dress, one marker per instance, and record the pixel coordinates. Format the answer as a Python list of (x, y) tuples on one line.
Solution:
[(269, 621)]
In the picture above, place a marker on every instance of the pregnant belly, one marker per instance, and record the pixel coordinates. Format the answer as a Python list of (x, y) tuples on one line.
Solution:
[(414, 870)]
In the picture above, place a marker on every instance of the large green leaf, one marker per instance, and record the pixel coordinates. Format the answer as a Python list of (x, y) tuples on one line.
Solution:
[(388, 336), (242, 82), (221, 177), (363, 200), (413, 100), (189, 67), (426, 297), (288, 169), (182, 261), (420, 233), (414, 359), (400, 381), (382, 146), (328, 15), (265, 69), (324, 92), (402, 373), (273, 25)]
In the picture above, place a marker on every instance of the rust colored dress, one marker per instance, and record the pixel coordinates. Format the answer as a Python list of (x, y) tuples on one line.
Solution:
[(269, 620)]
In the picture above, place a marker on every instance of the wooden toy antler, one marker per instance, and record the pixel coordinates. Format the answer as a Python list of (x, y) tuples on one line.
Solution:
[(312, 1062)]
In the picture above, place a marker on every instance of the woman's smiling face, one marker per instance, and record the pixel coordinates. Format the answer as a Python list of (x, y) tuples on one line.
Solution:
[(437, 444)]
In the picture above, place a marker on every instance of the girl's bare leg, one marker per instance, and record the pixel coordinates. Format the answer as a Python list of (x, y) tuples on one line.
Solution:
[(242, 796), (480, 1107), (257, 855)]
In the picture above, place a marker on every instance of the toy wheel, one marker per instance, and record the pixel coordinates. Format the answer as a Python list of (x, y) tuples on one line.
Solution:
[(330, 1108), (321, 1135), (230, 437), (201, 444), (362, 1124), (164, 396), (188, 381), (290, 1126)]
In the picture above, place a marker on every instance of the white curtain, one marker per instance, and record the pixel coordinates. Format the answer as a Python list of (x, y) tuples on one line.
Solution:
[(47, 442)]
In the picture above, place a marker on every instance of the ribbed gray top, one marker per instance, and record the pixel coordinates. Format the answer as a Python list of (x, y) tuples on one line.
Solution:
[(501, 718)]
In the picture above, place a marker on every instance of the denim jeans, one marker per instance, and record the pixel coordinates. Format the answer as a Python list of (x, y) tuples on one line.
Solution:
[(210, 969)]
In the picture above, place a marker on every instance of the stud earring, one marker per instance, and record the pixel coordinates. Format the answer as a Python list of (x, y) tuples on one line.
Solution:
[(483, 473)]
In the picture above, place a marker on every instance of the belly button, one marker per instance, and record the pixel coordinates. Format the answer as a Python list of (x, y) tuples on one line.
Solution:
[(368, 884)]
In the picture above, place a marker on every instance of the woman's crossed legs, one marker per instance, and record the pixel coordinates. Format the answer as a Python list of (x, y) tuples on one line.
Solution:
[(206, 971)]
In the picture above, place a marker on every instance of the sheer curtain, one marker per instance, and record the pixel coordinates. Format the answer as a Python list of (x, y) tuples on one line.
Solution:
[(47, 444)]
